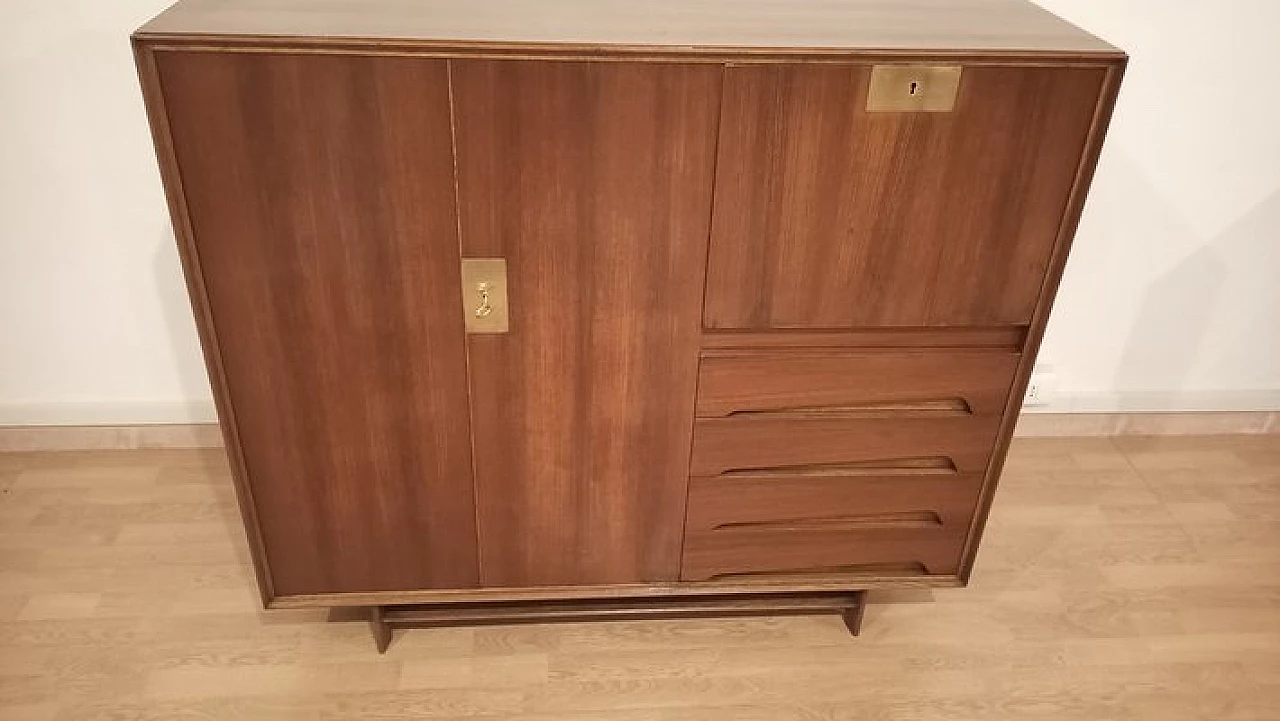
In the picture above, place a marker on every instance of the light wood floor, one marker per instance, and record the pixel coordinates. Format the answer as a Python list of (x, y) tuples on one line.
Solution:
[(1120, 579)]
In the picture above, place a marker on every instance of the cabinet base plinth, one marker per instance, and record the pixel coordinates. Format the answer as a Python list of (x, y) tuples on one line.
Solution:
[(387, 619)]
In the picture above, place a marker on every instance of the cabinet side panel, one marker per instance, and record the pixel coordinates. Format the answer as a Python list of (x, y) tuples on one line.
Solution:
[(1102, 109), (157, 117), (594, 181), (320, 193), (831, 216)]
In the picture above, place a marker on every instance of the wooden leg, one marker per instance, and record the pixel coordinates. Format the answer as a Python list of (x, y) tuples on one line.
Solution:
[(853, 614), (381, 631)]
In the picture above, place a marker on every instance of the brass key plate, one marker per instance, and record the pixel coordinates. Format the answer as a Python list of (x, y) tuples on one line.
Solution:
[(913, 88), (484, 295)]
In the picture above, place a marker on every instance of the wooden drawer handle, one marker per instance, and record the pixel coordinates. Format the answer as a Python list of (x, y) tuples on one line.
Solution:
[(904, 519), (857, 569), (897, 409), (933, 465)]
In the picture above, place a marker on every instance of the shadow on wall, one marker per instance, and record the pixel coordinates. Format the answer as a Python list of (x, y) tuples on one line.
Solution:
[(1256, 278), (179, 322), (1180, 322)]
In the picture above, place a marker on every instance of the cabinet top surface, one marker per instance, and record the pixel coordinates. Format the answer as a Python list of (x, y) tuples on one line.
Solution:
[(999, 26)]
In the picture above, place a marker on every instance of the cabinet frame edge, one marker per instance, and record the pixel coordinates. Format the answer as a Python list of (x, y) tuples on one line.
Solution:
[(210, 42), (1072, 210), (211, 349)]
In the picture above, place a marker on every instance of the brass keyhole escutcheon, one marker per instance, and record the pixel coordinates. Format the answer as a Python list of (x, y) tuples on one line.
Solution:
[(907, 88), (485, 308), (484, 295)]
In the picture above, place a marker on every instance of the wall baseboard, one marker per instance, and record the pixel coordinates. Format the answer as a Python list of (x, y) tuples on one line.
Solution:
[(1173, 423), (1128, 402), (109, 413), (1030, 425), (92, 438)]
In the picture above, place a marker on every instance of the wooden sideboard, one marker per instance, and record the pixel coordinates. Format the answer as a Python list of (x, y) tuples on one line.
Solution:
[(573, 309)]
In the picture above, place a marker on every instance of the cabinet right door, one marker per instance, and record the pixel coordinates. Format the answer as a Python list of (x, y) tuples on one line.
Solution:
[(830, 216), (592, 180)]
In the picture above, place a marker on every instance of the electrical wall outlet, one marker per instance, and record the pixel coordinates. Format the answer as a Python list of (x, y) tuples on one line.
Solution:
[(1040, 390)]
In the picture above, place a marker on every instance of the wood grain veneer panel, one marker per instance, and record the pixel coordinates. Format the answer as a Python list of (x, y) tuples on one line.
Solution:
[(723, 555), (777, 499), (827, 522), (593, 180), (745, 444), (320, 193), (1009, 337), (778, 379), (828, 216)]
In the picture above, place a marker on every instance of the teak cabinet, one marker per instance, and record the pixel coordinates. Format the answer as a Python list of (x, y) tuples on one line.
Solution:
[(727, 302)]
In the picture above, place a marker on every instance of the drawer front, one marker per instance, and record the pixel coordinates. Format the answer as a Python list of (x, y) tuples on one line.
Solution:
[(877, 498), (742, 382), (779, 523), (824, 553), (721, 445)]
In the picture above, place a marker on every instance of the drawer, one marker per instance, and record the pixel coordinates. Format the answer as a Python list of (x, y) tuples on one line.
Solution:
[(908, 520), (853, 498), (747, 382), (960, 442), (727, 555)]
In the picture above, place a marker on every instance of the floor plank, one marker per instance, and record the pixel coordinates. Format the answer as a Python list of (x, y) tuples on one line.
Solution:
[(1125, 578)]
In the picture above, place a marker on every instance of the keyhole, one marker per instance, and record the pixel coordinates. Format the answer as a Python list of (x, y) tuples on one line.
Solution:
[(485, 309), (915, 86)]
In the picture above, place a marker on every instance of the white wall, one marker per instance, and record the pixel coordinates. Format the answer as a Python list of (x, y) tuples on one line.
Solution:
[(1171, 299), (94, 322)]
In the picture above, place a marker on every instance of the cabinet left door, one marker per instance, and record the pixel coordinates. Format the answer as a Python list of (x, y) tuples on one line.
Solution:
[(322, 254)]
